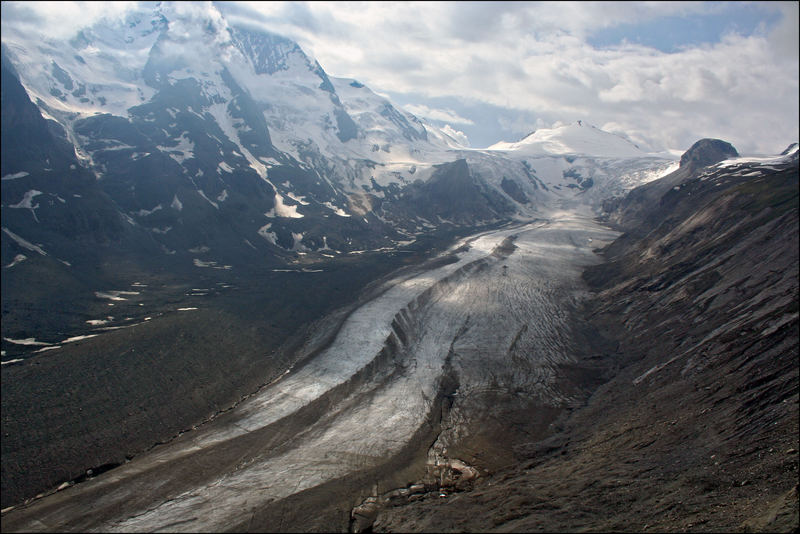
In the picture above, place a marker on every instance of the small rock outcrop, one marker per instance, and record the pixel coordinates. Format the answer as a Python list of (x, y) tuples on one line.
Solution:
[(790, 149), (707, 152), (634, 214)]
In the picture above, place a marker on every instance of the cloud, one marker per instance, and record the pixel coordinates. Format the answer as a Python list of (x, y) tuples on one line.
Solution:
[(442, 115), (458, 135), (784, 37), (521, 126), (535, 59), (60, 20)]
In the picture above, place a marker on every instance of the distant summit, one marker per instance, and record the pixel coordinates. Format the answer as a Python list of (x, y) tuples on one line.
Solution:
[(578, 137), (790, 150), (708, 152)]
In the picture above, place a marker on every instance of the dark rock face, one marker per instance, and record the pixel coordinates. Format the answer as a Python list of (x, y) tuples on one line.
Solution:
[(452, 196), (707, 152), (513, 190), (68, 215), (634, 214), (29, 141)]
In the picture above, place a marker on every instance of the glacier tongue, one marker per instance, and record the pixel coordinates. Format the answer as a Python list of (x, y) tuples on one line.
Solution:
[(495, 320)]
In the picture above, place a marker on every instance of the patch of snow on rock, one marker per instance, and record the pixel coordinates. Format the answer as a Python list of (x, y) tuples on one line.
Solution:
[(336, 209), (266, 234), (14, 176), (27, 202), (26, 341), (283, 210), (23, 243), (176, 203), (19, 258)]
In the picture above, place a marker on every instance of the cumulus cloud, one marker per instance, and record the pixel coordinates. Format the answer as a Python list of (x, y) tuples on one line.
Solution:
[(442, 115), (60, 20), (458, 135), (196, 29)]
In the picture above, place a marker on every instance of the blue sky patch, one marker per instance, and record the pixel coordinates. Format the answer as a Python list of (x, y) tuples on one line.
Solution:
[(671, 33)]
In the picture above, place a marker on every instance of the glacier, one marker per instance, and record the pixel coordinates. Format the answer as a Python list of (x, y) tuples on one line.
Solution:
[(495, 315)]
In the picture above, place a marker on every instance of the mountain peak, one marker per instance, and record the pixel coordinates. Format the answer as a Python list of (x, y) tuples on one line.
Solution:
[(578, 137), (268, 52), (708, 152), (791, 149)]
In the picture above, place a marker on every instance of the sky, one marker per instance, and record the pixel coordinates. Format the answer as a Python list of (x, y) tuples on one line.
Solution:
[(663, 74)]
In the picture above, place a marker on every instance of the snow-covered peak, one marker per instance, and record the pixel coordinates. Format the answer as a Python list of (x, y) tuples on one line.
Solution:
[(447, 136), (97, 71), (375, 114), (114, 65), (577, 138), (180, 70), (268, 53)]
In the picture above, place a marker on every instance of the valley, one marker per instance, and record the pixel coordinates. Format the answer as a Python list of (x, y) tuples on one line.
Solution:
[(241, 294), (369, 391)]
